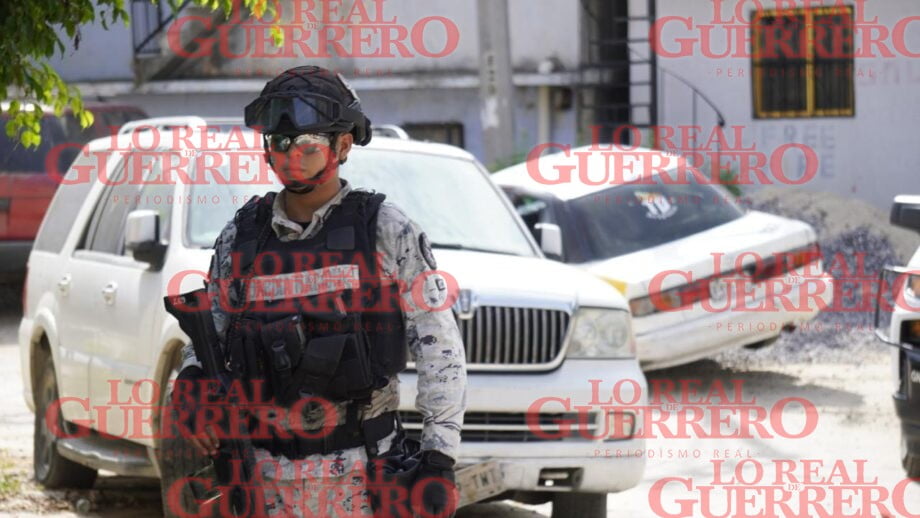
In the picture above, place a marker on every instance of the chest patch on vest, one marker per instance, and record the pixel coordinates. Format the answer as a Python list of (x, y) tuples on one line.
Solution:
[(304, 283)]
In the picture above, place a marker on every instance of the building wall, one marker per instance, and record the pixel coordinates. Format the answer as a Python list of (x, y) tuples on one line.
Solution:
[(103, 55), (539, 30), (873, 155), (431, 89)]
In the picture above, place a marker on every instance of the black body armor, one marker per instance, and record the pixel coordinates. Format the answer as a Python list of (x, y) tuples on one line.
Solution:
[(314, 317)]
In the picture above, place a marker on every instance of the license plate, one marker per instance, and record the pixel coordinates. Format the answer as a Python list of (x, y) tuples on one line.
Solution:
[(479, 481)]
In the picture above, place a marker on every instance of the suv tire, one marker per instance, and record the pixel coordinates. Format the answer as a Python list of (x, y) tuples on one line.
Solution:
[(583, 505), (51, 469)]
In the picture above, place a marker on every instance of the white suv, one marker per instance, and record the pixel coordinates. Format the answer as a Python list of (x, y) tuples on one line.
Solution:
[(96, 335)]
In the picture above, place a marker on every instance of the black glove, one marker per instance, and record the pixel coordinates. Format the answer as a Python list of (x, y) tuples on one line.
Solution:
[(436, 474)]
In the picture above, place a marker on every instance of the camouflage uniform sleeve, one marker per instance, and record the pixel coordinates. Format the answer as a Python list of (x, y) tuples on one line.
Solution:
[(432, 334), (218, 273)]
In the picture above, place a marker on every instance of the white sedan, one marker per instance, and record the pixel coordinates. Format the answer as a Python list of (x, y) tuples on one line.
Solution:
[(701, 273)]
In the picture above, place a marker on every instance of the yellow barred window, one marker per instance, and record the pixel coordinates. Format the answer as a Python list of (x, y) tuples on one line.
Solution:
[(803, 62)]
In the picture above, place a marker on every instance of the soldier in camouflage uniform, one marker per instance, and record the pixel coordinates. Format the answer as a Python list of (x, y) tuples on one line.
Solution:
[(299, 212)]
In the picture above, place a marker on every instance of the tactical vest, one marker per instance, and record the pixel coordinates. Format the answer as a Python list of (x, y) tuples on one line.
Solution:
[(314, 317)]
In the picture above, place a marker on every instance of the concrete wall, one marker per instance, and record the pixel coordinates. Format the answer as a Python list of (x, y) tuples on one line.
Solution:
[(540, 29), (103, 55), (872, 156)]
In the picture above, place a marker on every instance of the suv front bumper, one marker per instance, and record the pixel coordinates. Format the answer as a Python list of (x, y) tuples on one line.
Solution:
[(527, 462)]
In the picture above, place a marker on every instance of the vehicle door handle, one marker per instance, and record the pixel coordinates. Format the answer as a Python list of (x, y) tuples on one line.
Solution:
[(63, 284), (108, 293)]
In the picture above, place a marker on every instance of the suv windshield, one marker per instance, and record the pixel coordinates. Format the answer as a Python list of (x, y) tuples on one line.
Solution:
[(452, 201), (627, 218)]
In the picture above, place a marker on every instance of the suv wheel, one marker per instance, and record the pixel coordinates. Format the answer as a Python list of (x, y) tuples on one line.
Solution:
[(586, 505), (177, 459), (51, 469), (909, 459)]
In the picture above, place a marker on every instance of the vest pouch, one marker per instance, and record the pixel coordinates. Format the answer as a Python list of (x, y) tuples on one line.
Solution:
[(316, 371), (282, 345), (355, 373), (247, 360)]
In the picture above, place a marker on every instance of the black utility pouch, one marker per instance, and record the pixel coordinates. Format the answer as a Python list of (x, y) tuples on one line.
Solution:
[(282, 344), (355, 373), (321, 360), (246, 358)]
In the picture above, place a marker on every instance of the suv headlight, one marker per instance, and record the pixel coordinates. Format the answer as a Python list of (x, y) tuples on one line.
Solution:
[(601, 333)]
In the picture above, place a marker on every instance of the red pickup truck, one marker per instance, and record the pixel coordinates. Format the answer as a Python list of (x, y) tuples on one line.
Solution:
[(26, 186)]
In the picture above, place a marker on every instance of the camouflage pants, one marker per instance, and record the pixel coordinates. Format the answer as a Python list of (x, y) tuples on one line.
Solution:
[(336, 497), (317, 486)]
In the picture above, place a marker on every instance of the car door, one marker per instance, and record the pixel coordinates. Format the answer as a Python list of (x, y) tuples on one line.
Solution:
[(51, 264), (107, 282), (123, 356)]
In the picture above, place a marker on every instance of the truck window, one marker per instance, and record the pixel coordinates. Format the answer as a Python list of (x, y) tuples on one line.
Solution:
[(65, 205), (107, 225), (531, 209)]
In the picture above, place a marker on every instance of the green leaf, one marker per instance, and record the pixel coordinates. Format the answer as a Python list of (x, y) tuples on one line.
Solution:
[(86, 118), (277, 35)]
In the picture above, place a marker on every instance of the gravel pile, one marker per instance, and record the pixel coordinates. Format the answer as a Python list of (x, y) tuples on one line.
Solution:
[(856, 242)]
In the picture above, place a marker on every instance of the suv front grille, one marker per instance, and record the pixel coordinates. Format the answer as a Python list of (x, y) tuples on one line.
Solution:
[(503, 335), (508, 426)]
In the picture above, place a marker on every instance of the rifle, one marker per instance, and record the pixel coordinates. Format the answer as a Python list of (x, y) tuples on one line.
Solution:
[(193, 312)]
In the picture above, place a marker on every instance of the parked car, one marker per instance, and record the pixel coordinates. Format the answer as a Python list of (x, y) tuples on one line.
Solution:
[(106, 254), (694, 265), (898, 323), (26, 184)]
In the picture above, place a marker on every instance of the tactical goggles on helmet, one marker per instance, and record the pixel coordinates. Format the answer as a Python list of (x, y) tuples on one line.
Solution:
[(308, 112)]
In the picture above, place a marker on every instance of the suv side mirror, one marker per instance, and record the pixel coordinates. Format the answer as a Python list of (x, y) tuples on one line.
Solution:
[(550, 240), (142, 238), (905, 212)]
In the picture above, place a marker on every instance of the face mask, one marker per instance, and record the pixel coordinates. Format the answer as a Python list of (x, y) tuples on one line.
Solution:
[(307, 143)]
